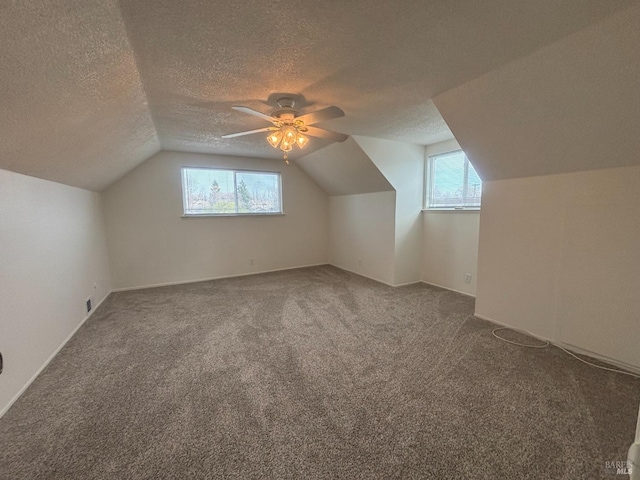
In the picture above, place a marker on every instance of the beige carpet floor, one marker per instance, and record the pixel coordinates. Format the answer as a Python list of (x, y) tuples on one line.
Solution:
[(311, 373)]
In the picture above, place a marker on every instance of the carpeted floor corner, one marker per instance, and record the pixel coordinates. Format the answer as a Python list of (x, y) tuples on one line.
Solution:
[(312, 373)]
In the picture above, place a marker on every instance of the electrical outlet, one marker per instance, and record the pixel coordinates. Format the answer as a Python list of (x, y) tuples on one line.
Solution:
[(252, 261), (89, 305), (467, 278), (360, 261)]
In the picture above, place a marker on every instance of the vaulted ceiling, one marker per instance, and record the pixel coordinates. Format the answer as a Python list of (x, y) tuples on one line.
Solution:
[(570, 106), (91, 89)]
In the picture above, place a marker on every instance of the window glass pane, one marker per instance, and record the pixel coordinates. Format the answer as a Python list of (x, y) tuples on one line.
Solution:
[(447, 180), (474, 187), (452, 182), (212, 191), (258, 192), (208, 191)]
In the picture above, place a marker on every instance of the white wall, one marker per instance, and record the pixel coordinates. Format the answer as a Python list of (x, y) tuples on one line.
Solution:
[(450, 241), (450, 249), (362, 234), (52, 251), (150, 243), (402, 164), (559, 256)]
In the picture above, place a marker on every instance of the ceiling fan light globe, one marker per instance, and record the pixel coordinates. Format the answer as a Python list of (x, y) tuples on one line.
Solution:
[(274, 138), (285, 146), (301, 140), (289, 134)]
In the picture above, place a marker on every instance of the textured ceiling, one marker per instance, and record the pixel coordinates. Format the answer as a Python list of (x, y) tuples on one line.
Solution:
[(380, 61), (91, 89), (73, 107)]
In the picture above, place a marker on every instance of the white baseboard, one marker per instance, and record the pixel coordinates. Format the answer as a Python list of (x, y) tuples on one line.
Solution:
[(221, 277), (448, 288), (373, 278), (406, 284), (363, 275), (567, 346), (6, 408), (581, 351), (511, 327)]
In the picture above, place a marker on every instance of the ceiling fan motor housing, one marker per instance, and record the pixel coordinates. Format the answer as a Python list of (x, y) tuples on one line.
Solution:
[(287, 117), (286, 102), (286, 114)]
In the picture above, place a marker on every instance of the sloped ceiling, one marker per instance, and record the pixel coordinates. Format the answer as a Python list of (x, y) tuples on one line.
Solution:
[(92, 89), (73, 107), (571, 106), (344, 169)]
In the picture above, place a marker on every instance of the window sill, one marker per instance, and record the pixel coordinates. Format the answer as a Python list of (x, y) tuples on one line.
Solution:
[(226, 215), (450, 210)]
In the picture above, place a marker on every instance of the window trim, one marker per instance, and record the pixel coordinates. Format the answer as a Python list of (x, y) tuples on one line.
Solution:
[(235, 188), (428, 175)]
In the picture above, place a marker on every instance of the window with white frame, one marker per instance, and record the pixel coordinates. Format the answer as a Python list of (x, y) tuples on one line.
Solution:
[(215, 191), (452, 182)]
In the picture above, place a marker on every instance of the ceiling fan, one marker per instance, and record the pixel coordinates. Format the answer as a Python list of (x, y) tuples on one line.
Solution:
[(290, 128)]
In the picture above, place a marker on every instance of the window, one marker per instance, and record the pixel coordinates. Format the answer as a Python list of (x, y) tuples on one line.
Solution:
[(452, 182), (213, 191)]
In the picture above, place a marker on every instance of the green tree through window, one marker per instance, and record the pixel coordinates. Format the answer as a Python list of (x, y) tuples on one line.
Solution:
[(244, 197), (214, 192)]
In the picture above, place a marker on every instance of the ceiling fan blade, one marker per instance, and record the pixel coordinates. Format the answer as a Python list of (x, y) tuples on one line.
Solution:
[(255, 113), (325, 114), (248, 132), (327, 134)]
